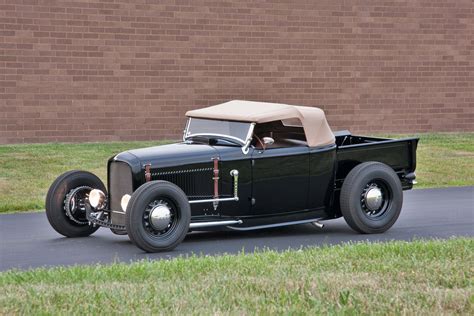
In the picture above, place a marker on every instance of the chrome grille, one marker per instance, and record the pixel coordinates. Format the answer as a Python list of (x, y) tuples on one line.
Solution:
[(120, 183)]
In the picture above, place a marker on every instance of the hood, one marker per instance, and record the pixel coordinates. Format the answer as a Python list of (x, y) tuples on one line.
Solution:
[(169, 155)]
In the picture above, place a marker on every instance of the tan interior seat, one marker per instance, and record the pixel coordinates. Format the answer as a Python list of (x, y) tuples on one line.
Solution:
[(280, 142)]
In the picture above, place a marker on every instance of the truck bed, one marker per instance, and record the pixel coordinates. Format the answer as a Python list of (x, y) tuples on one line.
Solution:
[(400, 154)]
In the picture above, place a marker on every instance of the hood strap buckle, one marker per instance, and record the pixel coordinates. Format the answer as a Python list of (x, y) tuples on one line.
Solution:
[(148, 172)]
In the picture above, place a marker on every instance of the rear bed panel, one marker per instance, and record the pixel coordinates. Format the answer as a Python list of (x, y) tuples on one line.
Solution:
[(400, 154)]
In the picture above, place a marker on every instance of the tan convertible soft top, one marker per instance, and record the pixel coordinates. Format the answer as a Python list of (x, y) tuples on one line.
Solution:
[(313, 119)]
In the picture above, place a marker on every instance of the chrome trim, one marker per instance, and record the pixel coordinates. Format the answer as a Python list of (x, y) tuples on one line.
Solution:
[(245, 148), (268, 141), (276, 225), (215, 178), (160, 217), (250, 132), (186, 129), (373, 198), (216, 223), (235, 173), (240, 141), (214, 200), (318, 224)]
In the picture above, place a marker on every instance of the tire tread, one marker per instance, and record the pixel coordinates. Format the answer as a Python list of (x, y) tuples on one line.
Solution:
[(135, 205), (54, 208), (347, 201)]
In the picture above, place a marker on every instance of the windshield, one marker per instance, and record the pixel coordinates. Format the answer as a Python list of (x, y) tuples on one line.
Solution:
[(227, 129)]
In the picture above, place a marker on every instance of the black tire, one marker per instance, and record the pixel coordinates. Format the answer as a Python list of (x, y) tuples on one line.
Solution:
[(354, 206), (55, 203), (139, 228)]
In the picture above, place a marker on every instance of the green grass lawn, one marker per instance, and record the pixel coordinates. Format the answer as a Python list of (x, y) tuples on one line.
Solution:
[(27, 171), (414, 278)]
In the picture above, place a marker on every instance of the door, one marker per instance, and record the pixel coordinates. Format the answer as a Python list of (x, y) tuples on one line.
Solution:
[(280, 178)]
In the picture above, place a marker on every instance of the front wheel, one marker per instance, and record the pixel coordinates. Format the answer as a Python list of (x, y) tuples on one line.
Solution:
[(65, 203), (158, 216), (371, 198)]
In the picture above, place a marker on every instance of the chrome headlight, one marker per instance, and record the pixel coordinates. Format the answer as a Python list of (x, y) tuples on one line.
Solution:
[(124, 202), (97, 199)]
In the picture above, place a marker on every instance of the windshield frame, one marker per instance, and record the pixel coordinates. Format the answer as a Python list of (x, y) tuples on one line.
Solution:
[(244, 143)]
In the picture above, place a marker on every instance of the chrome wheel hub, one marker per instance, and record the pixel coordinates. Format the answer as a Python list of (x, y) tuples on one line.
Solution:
[(373, 198), (160, 217)]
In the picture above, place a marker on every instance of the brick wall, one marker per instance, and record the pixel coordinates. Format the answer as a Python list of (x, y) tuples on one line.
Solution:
[(126, 70)]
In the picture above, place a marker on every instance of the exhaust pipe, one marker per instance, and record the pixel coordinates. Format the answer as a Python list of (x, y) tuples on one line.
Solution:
[(318, 224)]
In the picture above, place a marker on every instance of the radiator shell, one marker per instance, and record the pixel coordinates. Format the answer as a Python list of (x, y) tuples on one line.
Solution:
[(120, 183)]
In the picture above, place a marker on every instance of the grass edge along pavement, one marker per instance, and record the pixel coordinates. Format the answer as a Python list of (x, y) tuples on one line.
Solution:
[(27, 170), (420, 277)]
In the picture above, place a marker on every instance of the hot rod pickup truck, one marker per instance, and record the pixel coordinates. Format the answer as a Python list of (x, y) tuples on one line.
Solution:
[(241, 165)]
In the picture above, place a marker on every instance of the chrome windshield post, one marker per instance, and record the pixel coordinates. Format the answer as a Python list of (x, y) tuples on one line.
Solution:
[(185, 132), (248, 140)]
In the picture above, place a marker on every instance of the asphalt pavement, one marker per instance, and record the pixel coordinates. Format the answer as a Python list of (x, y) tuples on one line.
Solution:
[(28, 241)]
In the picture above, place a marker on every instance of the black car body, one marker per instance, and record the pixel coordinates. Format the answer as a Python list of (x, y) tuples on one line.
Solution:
[(239, 185), (274, 186)]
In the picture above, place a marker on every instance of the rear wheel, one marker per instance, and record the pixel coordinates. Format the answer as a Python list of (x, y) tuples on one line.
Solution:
[(158, 216), (65, 203), (371, 198)]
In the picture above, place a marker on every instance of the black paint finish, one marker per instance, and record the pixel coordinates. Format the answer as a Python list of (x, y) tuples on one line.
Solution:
[(399, 154), (275, 185), (232, 158), (322, 166), (280, 179)]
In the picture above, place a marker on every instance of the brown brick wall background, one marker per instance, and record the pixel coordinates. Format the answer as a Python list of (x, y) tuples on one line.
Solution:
[(126, 70)]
